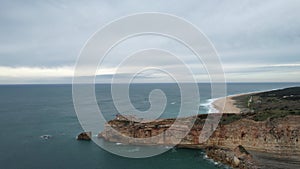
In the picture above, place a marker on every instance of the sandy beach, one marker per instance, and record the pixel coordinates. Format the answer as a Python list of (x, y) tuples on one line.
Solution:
[(226, 105)]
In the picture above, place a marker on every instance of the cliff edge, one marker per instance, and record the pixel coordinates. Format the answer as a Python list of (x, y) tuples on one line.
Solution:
[(268, 123)]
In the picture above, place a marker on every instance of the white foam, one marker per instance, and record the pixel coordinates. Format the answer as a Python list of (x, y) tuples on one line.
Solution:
[(212, 109), (168, 147), (134, 150), (208, 104)]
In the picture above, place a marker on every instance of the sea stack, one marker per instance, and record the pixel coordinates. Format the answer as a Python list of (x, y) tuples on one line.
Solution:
[(85, 136)]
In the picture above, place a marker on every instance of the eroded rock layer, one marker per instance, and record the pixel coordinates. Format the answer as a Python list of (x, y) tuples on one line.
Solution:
[(280, 135)]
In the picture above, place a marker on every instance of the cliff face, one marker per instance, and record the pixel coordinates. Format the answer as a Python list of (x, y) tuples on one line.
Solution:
[(280, 135)]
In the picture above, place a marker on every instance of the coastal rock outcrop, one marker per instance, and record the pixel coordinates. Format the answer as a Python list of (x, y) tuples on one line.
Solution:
[(279, 135), (270, 126), (84, 136), (237, 158)]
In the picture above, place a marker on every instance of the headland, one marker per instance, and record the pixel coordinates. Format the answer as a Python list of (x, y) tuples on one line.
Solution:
[(254, 129)]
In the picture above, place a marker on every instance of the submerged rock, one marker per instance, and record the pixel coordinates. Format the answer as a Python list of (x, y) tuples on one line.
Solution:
[(84, 136), (45, 137)]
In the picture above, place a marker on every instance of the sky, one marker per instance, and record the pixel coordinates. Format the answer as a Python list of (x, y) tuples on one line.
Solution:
[(257, 41)]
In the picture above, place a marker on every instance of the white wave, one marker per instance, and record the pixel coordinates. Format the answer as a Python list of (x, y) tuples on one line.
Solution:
[(209, 106), (168, 147), (134, 150)]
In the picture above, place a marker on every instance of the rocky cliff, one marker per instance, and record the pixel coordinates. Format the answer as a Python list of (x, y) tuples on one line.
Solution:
[(280, 135), (270, 123)]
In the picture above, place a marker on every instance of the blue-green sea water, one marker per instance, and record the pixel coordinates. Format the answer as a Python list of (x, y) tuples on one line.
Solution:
[(30, 111)]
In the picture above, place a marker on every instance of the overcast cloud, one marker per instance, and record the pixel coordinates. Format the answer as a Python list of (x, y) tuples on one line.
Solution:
[(258, 41)]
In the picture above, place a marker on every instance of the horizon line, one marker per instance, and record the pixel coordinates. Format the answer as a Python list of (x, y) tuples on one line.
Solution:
[(3, 84)]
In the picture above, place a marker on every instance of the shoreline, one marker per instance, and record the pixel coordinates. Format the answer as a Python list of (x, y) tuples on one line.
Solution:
[(227, 104), (216, 105)]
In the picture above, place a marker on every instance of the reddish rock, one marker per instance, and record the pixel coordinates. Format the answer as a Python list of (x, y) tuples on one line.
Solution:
[(274, 136)]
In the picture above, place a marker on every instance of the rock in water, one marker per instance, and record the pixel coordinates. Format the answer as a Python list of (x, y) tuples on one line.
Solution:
[(237, 158), (84, 136), (46, 137)]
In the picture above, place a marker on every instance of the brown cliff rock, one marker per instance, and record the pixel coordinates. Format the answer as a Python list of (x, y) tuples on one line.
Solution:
[(279, 136), (85, 136), (237, 158)]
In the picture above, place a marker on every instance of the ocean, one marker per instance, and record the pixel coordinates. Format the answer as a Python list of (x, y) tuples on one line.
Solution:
[(28, 112)]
